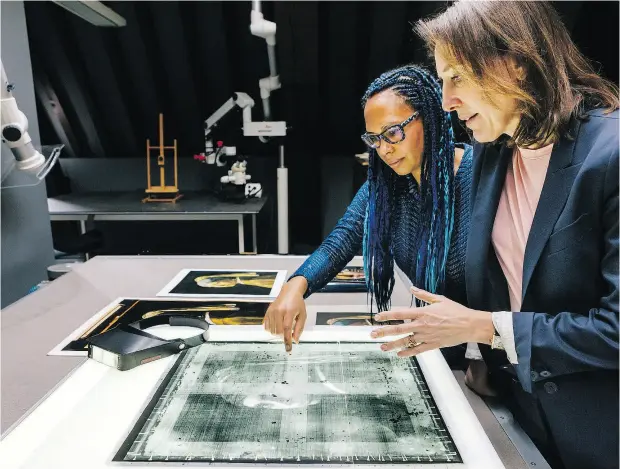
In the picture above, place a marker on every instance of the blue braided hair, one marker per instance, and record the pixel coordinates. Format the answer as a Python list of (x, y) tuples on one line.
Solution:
[(422, 93)]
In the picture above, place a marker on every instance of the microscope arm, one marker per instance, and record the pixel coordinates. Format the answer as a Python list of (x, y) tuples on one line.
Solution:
[(241, 100), (261, 27), (15, 130)]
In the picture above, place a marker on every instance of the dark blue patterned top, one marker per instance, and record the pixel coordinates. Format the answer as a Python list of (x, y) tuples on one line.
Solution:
[(345, 241)]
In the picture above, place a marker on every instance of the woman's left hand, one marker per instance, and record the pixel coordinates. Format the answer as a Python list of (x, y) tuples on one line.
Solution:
[(443, 323)]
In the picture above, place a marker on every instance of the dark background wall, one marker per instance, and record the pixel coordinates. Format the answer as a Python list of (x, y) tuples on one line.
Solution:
[(100, 90), (26, 248)]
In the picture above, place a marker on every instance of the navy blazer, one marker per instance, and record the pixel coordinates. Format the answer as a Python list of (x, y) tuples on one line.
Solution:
[(567, 334)]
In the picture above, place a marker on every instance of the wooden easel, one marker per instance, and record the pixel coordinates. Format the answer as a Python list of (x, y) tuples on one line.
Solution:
[(161, 193)]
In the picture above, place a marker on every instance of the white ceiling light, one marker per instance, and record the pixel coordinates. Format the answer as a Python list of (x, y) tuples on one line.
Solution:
[(93, 11)]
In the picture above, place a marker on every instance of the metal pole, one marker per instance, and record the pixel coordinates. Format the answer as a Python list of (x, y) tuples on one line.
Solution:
[(282, 205), (271, 53)]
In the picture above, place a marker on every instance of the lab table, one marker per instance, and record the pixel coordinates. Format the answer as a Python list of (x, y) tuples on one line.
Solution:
[(128, 206), (34, 325)]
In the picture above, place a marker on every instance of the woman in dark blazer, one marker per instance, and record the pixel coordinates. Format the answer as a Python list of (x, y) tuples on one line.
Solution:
[(542, 255)]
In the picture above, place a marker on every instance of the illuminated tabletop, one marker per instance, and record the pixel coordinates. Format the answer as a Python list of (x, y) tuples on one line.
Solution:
[(71, 412)]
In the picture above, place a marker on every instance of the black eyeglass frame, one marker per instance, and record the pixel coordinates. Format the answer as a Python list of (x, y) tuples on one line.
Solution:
[(367, 135)]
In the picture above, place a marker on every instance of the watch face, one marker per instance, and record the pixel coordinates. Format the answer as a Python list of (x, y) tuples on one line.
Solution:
[(496, 343)]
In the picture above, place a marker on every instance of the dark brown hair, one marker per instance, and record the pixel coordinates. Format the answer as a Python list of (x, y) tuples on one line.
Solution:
[(479, 37)]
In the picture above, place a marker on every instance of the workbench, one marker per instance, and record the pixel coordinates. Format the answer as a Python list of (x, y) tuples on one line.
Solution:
[(128, 206), (35, 324)]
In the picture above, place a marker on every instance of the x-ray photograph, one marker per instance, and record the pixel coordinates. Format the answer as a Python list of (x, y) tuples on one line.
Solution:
[(344, 403)]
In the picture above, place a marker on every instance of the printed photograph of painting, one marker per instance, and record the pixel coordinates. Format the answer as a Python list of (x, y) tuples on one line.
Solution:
[(349, 319), (343, 319), (225, 283), (350, 279), (127, 311), (338, 403)]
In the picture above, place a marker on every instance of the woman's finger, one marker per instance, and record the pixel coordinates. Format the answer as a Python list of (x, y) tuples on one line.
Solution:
[(426, 296), (276, 323), (405, 342), (399, 329), (411, 352), (396, 314), (299, 327)]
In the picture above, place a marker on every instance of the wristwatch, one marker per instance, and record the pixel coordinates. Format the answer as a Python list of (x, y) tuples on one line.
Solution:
[(496, 342)]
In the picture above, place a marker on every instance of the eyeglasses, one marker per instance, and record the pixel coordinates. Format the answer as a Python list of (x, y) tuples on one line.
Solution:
[(393, 134)]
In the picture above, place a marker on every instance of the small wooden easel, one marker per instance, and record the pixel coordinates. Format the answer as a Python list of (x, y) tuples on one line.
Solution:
[(161, 193)]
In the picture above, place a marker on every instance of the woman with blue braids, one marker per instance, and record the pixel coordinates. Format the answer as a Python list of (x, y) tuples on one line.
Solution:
[(413, 209)]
